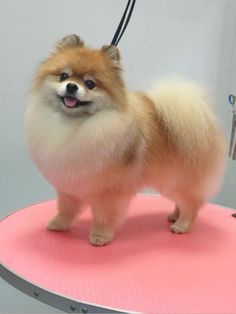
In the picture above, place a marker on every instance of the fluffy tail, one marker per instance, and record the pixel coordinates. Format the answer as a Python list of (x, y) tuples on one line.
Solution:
[(192, 126)]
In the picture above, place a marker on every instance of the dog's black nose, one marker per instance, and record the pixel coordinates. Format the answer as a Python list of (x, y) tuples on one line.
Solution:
[(71, 88)]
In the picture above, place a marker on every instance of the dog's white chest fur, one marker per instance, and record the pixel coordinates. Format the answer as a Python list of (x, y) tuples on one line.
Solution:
[(72, 153)]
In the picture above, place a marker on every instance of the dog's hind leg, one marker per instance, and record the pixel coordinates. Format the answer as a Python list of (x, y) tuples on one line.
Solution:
[(184, 216)]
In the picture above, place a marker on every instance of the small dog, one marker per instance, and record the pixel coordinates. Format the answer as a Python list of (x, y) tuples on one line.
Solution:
[(98, 144)]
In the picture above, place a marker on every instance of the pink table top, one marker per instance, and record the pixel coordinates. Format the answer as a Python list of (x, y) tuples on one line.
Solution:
[(145, 269)]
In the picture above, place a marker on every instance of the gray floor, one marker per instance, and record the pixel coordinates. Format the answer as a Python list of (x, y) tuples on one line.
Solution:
[(14, 301)]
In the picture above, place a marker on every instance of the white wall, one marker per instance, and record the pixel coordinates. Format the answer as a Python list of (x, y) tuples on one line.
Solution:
[(190, 38)]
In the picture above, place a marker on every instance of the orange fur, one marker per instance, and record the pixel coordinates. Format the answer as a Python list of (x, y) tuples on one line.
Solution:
[(120, 142)]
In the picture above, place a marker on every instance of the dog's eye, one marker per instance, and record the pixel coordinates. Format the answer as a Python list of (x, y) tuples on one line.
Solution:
[(63, 76), (90, 84)]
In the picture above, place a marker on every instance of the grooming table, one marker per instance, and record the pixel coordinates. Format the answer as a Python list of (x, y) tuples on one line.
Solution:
[(145, 269)]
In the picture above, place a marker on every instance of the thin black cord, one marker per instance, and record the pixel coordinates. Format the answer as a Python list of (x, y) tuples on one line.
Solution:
[(114, 40), (123, 23)]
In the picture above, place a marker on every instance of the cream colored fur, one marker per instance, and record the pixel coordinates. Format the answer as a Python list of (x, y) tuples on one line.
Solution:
[(167, 139)]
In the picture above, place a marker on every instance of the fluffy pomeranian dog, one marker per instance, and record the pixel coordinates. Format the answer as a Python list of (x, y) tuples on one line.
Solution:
[(98, 144)]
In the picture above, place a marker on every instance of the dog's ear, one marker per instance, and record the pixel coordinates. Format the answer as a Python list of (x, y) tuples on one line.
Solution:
[(112, 52), (70, 41)]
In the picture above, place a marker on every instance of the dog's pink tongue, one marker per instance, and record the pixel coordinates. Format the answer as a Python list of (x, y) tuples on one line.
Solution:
[(70, 102)]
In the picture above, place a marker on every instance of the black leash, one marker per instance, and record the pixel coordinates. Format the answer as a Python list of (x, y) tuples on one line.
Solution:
[(123, 22)]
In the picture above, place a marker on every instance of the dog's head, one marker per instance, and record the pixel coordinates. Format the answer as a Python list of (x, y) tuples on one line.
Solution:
[(78, 80)]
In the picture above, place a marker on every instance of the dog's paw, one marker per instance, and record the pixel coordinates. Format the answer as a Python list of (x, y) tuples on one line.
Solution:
[(58, 224), (179, 228), (100, 238)]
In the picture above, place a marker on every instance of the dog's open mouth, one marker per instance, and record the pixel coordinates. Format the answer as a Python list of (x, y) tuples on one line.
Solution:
[(71, 102)]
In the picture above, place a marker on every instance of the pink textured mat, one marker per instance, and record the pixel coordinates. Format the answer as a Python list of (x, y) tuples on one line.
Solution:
[(146, 269)]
